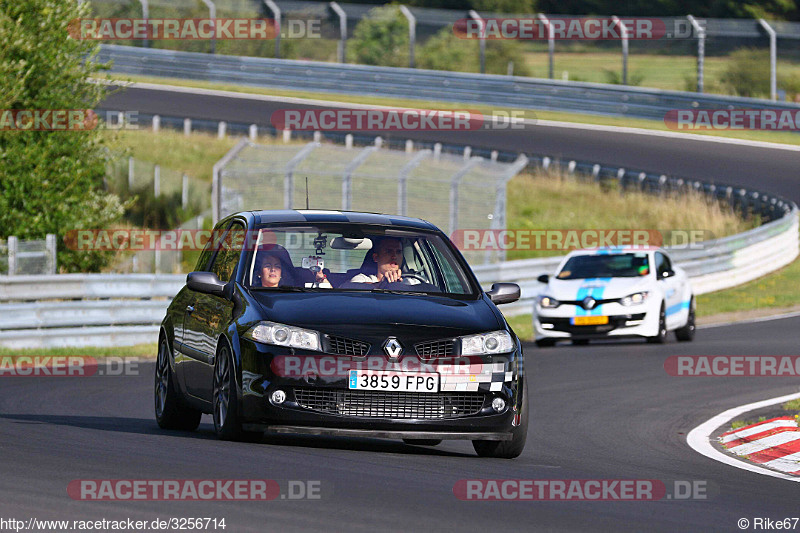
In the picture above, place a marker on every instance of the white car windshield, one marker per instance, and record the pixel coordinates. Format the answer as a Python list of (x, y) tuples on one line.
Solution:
[(626, 265)]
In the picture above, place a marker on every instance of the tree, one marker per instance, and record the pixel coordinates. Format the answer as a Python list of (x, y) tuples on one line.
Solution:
[(381, 38), (51, 181)]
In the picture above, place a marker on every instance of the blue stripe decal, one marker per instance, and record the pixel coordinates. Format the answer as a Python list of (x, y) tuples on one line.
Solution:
[(677, 308), (594, 292), (597, 294)]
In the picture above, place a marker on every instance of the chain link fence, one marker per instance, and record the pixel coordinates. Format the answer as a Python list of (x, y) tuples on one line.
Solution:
[(28, 257), (451, 191)]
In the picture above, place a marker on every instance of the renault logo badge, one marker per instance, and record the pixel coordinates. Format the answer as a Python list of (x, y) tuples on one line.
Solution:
[(589, 302), (392, 348)]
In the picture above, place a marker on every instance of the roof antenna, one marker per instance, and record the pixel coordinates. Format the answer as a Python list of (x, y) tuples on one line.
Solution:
[(307, 208)]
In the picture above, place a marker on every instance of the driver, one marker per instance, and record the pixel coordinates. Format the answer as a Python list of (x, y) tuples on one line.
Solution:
[(388, 255)]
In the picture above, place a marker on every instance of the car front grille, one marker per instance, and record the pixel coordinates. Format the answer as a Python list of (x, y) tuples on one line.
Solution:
[(345, 346), (385, 404), (429, 350)]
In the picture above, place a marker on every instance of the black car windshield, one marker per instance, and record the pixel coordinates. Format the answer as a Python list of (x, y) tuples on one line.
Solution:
[(351, 257), (629, 265)]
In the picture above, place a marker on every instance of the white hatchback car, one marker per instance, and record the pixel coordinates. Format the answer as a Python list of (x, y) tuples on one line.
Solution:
[(615, 292)]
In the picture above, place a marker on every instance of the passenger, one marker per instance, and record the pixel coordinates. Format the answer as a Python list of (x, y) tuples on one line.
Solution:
[(274, 267)]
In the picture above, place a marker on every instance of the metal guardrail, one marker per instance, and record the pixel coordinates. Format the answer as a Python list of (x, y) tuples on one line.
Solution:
[(362, 80), (132, 316), (718, 264)]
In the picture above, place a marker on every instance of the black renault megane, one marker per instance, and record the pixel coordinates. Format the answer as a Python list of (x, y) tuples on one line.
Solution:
[(341, 323)]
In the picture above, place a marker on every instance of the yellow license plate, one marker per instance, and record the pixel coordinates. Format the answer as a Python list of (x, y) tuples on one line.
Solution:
[(589, 320)]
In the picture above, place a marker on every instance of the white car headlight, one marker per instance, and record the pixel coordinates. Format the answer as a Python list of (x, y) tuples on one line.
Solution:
[(548, 302), (487, 343), (635, 298), (283, 335)]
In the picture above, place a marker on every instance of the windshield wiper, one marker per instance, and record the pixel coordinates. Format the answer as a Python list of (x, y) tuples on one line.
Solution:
[(390, 291), (279, 289)]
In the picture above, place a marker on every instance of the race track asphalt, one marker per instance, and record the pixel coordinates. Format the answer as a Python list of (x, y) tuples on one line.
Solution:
[(606, 411)]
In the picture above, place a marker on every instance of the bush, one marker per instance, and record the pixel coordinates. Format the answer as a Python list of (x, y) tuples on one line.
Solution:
[(50, 181), (747, 73), (614, 77), (381, 38), (445, 51)]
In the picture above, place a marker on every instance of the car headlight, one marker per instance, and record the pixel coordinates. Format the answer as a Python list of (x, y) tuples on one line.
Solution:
[(548, 302), (486, 343), (635, 298), (283, 335)]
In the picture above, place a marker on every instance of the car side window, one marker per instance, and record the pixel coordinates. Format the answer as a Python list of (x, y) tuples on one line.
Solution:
[(227, 257), (207, 253), (662, 264)]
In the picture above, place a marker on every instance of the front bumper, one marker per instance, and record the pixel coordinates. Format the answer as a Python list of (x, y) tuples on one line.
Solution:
[(324, 404), (632, 321)]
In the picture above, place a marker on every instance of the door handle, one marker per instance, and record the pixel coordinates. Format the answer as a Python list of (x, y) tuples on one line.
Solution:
[(190, 309)]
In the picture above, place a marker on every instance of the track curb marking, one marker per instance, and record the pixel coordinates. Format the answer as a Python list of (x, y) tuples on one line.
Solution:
[(699, 439)]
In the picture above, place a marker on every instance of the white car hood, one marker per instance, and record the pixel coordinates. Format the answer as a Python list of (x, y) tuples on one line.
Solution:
[(597, 288)]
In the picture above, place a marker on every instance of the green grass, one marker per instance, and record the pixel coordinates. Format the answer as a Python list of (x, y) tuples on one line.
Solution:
[(736, 424), (139, 350), (659, 125), (777, 290), (793, 405)]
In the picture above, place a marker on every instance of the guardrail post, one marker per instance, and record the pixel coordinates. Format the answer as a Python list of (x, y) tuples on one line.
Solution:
[(623, 31), (402, 180), (437, 151), (701, 50), (222, 129), (253, 133), (212, 14), (773, 59), (187, 126), (51, 247), (482, 40), (412, 33), (145, 16), (409, 146), (13, 245), (288, 177), (276, 12), (348, 141), (342, 31), (156, 123), (455, 181), (185, 191), (551, 45), (157, 181)]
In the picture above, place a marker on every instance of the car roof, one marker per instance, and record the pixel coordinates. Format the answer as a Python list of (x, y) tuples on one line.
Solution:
[(352, 217), (615, 250)]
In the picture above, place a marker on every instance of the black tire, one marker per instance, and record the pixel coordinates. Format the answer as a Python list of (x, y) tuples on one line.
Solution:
[(686, 333), (545, 343), (507, 449), (170, 411), (661, 337), (423, 442), (580, 342), (225, 401)]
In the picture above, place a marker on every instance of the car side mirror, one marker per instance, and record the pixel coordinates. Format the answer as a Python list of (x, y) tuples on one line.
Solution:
[(666, 274), (205, 282), (544, 278), (504, 293)]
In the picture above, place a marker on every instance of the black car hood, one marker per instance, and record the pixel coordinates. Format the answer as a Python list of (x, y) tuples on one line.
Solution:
[(342, 310)]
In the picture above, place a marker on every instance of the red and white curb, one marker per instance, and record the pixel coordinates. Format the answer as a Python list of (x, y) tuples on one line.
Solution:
[(772, 447), (774, 444)]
